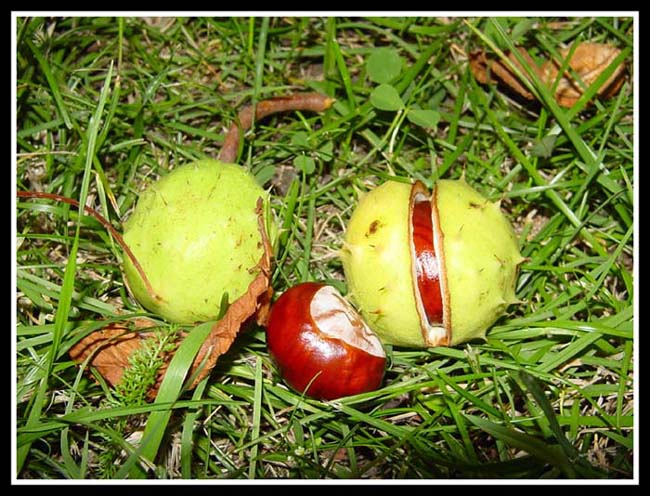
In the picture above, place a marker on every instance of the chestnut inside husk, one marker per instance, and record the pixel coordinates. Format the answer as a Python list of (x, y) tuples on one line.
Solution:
[(477, 253)]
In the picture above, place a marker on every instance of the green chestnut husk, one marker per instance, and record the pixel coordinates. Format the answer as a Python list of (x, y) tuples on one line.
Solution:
[(478, 255), (195, 233)]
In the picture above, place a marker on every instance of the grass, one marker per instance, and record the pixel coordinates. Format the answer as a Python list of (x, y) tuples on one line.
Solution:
[(104, 106)]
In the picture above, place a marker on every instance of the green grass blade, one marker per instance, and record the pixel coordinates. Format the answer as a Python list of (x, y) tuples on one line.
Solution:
[(624, 379), (257, 414), (471, 398), (168, 393), (581, 465), (307, 240), (538, 393), (260, 58), (187, 443), (67, 288), (52, 81), (575, 348), (343, 72), (531, 445)]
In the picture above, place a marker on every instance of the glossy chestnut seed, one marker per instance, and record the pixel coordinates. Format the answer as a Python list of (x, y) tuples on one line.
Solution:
[(426, 262), (321, 345)]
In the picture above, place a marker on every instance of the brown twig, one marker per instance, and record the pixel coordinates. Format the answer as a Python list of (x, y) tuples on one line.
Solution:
[(107, 225), (314, 102)]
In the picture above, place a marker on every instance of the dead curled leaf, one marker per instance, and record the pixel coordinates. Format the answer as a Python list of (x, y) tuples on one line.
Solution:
[(587, 61), (109, 348), (488, 70)]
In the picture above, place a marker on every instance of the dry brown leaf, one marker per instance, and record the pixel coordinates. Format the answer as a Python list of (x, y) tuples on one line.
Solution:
[(588, 61), (111, 347), (489, 70)]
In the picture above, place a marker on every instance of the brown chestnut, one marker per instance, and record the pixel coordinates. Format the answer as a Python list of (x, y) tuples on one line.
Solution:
[(321, 345)]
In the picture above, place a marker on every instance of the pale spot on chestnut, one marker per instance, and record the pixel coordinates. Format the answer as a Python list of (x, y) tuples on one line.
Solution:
[(336, 318)]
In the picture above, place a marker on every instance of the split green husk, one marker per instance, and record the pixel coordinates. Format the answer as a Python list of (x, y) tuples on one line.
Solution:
[(480, 255)]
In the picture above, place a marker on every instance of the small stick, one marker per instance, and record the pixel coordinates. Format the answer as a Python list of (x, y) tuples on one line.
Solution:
[(314, 102), (102, 221)]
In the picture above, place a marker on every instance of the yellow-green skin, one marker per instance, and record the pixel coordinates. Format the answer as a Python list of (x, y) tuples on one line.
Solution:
[(480, 252), (376, 261), (195, 233)]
